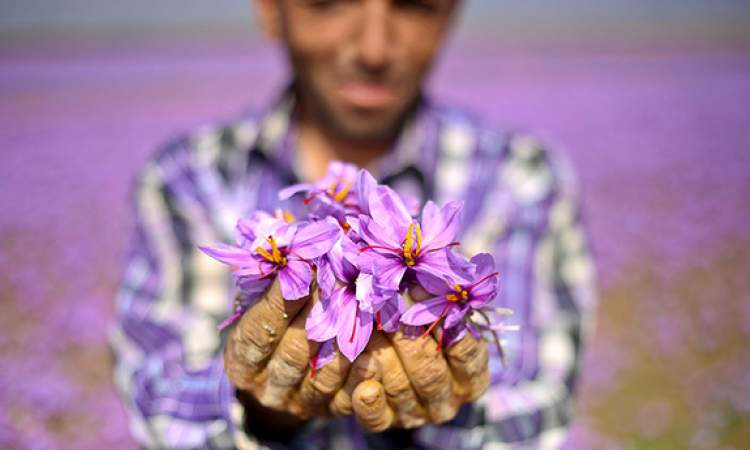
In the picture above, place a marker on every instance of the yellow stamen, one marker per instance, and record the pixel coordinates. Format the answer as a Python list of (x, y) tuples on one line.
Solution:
[(460, 294), (289, 217), (342, 193), (274, 256), (408, 244), (332, 188), (264, 253), (275, 249)]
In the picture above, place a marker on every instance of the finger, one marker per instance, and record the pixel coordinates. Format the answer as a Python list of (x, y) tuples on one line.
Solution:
[(288, 364), (468, 359), (370, 406), (262, 326), (365, 367), (428, 373), (418, 293), (238, 373), (316, 392), (399, 392)]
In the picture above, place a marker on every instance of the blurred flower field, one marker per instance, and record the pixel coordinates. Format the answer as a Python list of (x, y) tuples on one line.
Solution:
[(660, 141)]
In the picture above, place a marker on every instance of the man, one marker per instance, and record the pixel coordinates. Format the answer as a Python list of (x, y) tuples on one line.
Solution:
[(359, 68)]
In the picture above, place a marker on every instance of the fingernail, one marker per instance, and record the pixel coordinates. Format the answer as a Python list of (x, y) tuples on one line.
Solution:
[(441, 412)]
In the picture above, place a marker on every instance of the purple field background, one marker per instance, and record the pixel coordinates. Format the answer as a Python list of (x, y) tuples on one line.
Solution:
[(660, 140)]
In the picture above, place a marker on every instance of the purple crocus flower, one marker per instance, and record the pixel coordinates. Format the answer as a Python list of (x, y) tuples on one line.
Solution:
[(396, 242), (279, 248), (349, 313), (333, 195), (454, 297), (259, 222)]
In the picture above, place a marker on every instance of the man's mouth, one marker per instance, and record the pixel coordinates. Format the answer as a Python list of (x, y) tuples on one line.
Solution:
[(366, 95)]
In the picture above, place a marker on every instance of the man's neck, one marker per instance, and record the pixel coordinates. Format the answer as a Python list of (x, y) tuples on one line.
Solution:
[(317, 147)]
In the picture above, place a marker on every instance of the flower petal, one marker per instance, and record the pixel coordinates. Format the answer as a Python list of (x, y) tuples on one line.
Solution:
[(387, 208), (364, 290), (322, 321), (453, 334), (484, 291), (375, 234), (433, 284), (295, 280), (455, 315), (244, 232), (474, 332), (355, 328), (350, 249), (462, 268), (353, 223), (253, 286), (366, 184), (262, 268), (289, 191), (390, 313), (232, 256), (272, 226), (435, 263), (314, 239), (440, 226), (425, 312), (325, 275), (485, 264), (388, 271), (326, 353)]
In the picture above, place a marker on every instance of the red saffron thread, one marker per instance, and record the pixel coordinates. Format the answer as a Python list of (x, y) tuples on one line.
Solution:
[(313, 366), (380, 247), (481, 280), (354, 323), (440, 342), (434, 324), (310, 198)]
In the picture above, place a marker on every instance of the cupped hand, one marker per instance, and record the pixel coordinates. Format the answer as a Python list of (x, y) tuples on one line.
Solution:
[(408, 381), (267, 356)]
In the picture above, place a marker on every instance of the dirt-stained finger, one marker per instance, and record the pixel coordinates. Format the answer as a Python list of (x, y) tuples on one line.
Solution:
[(262, 326), (370, 406), (398, 389), (365, 367), (317, 391), (468, 359), (428, 373), (288, 364), (238, 373)]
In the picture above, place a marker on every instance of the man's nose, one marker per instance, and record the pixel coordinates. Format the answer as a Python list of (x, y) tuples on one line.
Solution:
[(374, 39)]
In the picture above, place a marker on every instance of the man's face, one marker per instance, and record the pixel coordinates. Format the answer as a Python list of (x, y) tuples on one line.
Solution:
[(359, 64)]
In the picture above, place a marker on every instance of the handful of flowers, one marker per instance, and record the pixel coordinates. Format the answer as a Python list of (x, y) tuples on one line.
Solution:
[(366, 251)]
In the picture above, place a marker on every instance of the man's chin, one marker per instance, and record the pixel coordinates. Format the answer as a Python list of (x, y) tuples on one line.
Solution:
[(367, 126), (366, 132)]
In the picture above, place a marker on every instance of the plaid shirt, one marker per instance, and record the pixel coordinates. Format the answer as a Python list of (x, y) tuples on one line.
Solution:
[(520, 205)]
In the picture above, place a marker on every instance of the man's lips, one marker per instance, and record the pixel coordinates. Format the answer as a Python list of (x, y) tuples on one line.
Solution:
[(367, 95)]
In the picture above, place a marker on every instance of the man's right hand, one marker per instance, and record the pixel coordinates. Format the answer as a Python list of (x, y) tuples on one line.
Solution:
[(267, 357)]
